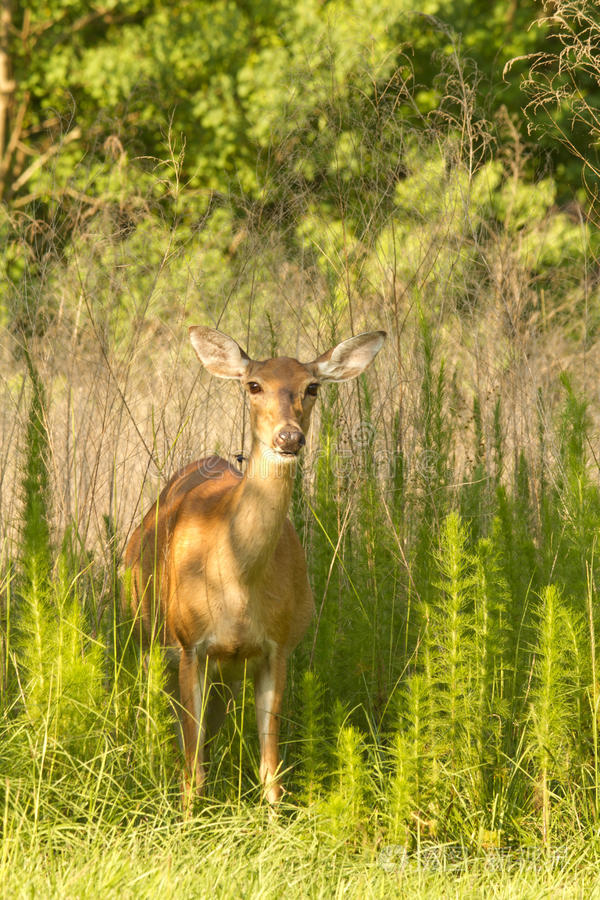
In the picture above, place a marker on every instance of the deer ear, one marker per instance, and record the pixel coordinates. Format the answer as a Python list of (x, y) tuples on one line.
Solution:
[(349, 358), (218, 353)]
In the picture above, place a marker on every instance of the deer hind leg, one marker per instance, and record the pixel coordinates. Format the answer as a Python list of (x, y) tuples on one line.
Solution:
[(222, 696), (269, 683), (194, 685), (172, 689)]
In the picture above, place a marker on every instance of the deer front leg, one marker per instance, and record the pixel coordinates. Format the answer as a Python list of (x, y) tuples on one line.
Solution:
[(192, 696), (269, 683)]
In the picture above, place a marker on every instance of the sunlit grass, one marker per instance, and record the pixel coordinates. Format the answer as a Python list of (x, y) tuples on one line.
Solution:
[(226, 852)]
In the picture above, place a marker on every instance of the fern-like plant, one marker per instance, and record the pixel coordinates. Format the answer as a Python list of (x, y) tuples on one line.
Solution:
[(61, 669), (552, 696), (491, 674), (454, 653), (345, 809), (311, 739)]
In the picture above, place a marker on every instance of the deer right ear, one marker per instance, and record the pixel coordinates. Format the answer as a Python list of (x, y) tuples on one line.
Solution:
[(218, 353)]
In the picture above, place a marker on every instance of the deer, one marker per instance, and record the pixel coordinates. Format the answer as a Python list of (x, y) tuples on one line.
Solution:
[(217, 572)]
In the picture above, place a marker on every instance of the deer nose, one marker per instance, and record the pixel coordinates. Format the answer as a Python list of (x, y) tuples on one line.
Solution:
[(290, 440)]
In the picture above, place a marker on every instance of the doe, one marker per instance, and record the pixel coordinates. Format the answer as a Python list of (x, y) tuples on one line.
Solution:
[(218, 574)]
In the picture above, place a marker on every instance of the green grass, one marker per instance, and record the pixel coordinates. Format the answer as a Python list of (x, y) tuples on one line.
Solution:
[(440, 741), (443, 740), (236, 853), (440, 729)]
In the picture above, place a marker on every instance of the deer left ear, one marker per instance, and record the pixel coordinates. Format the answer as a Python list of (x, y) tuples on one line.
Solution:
[(218, 352), (348, 359)]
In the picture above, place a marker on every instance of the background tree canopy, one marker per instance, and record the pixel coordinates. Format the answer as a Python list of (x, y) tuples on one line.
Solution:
[(103, 83)]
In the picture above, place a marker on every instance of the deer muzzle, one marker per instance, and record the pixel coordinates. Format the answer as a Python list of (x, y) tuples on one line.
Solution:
[(289, 440)]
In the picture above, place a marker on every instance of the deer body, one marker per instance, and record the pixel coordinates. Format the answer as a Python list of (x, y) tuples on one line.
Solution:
[(218, 572)]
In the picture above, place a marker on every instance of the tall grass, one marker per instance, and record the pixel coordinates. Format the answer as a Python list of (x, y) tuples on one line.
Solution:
[(446, 696)]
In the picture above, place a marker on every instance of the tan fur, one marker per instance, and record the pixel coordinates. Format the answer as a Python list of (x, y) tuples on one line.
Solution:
[(206, 582), (218, 573)]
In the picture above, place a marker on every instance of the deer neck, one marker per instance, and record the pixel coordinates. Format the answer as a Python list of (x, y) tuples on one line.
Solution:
[(263, 501)]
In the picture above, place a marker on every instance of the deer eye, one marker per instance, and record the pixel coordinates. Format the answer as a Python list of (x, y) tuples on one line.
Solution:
[(313, 389), (254, 387)]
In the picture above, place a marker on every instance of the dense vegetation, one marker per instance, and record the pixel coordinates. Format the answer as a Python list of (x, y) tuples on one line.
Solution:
[(292, 174)]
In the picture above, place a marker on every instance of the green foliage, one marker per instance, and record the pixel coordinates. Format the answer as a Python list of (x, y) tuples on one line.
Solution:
[(346, 806), (60, 668), (203, 100), (409, 790), (452, 582), (400, 789), (311, 735), (466, 715), (575, 496), (227, 73), (552, 698), (451, 633), (492, 670), (35, 544), (62, 671)]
